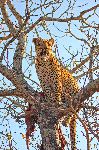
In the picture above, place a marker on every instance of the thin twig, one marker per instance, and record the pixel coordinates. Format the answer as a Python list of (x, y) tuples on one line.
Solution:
[(62, 20), (87, 135)]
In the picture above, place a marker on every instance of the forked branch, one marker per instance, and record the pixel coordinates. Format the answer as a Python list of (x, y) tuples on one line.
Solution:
[(80, 17)]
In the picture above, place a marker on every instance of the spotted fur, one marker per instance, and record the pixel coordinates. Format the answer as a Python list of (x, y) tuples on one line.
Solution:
[(56, 82)]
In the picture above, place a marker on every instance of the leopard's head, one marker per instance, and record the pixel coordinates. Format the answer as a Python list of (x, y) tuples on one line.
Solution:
[(43, 47)]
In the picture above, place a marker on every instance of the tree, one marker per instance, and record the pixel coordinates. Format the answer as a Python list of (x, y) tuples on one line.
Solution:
[(49, 19)]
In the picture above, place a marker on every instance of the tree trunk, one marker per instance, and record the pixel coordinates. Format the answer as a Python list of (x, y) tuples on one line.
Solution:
[(52, 138)]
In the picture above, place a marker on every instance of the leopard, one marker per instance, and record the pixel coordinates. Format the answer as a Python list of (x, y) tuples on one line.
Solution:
[(56, 81)]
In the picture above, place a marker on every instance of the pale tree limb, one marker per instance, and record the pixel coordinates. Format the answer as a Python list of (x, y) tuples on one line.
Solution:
[(6, 17), (79, 65), (24, 90), (18, 56), (19, 52), (10, 75), (15, 37), (15, 78), (15, 13), (86, 92)]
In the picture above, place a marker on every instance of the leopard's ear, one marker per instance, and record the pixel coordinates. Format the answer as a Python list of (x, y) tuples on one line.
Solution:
[(51, 41), (34, 40)]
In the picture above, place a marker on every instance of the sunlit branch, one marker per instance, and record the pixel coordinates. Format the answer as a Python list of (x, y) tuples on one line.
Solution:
[(13, 38), (15, 13), (79, 65), (6, 17), (88, 10), (86, 92), (5, 37), (24, 90)]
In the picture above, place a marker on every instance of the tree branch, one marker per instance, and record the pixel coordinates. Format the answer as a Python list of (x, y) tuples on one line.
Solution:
[(87, 72), (87, 135), (12, 92), (88, 124), (24, 90), (94, 51), (5, 37), (6, 17), (19, 52), (11, 75), (80, 17), (86, 92), (15, 13)]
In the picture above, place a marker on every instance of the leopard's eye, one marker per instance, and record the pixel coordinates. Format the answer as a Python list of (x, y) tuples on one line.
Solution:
[(43, 52)]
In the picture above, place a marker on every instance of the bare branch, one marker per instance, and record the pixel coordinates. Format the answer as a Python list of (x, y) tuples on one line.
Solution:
[(94, 51), (91, 66), (76, 37), (5, 37), (87, 72), (23, 89), (7, 92), (90, 9), (79, 65), (87, 135), (95, 135), (86, 92), (11, 75), (6, 17), (17, 103), (15, 13), (62, 20), (89, 25)]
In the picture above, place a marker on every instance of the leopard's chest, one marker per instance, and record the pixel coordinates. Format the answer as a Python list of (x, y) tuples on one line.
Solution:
[(45, 69)]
